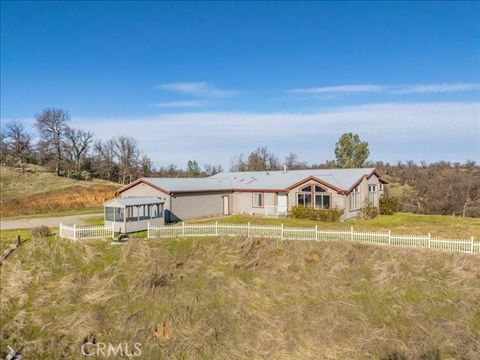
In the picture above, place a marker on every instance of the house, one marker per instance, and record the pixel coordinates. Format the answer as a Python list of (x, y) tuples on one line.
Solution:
[(255, 193)]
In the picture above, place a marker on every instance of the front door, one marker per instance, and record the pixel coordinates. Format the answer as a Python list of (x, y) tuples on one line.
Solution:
[(282, 203), (226, 205)]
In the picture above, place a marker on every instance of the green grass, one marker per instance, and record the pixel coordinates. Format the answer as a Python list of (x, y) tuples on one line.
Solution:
[(401, 223), (240, 298)]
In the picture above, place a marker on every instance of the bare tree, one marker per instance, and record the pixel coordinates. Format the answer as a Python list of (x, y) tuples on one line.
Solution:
[(262, 159), (52, 124), (104, 155), (212, 169), (126, 149), (293, 163), (18, 142), (77, 142), (146, 166)]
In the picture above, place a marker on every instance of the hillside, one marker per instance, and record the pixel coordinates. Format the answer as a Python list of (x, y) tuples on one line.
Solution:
[(238, 298), (38, 191)]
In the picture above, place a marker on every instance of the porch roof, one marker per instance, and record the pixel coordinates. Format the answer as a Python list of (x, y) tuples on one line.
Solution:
[(133, 201)]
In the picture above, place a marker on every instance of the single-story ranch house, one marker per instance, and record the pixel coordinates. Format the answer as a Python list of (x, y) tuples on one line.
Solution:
[(161, 200)]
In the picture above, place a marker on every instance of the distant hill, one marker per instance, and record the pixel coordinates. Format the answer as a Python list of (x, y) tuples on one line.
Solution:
[(38, 191)]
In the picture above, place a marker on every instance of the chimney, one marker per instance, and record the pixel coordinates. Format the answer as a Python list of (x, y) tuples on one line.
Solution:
[(284, 168)]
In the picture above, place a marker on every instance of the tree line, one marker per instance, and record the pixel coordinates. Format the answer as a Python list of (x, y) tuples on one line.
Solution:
[(436, 188)]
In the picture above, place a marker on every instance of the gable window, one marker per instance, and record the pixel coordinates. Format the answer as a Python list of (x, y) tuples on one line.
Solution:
[(355, 199), (257, 199), (373, 194), (313, 196)]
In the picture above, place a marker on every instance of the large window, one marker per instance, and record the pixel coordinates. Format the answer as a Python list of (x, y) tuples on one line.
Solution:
[(313, 196), (304, 199), (257, 199), (355, 199)]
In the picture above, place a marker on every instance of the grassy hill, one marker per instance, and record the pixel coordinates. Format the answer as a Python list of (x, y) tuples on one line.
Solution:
[(38, 191), (239, 298)]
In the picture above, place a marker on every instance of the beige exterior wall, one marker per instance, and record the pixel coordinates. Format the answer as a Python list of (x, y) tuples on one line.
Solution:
[(144, 190), (243, 203), (363, 187), (196, 205)]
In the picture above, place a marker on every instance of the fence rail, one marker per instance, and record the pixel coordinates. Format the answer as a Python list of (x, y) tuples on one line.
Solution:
[(75, 232), (385, 238)]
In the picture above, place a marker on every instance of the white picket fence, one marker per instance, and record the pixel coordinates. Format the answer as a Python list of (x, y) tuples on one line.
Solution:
[(75, 232), (385, 238)]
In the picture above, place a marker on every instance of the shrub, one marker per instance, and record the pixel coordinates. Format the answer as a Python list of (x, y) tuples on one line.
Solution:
[(40, 232), (302, 212), (388, 205), (369, 211), (86, 175)]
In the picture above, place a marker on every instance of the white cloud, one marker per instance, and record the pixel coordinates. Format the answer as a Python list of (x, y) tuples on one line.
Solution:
[(180, 104), (395, 131), (437, 88), (363, 88), (390, 89), (200, 88)]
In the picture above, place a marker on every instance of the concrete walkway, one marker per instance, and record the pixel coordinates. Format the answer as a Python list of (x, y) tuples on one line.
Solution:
[(48, 221)]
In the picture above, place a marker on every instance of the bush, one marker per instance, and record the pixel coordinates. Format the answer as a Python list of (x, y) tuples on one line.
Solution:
[(369, 211), (302, 212), (85, 175), (388, 205), (40, 232)]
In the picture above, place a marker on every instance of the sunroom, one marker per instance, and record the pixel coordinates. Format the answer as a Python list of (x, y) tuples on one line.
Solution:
[(133, 213)]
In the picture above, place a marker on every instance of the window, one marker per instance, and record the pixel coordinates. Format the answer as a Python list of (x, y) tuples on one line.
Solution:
[(319, 189), (322, 201), (307, 189), (380, 187), (304, 199), (109, 213), (355, 199), (257, 199)]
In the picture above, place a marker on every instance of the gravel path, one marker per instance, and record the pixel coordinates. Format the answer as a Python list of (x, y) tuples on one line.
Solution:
[(49, 221)]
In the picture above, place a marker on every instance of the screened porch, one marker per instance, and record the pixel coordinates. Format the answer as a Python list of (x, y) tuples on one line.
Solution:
[(133, 214)]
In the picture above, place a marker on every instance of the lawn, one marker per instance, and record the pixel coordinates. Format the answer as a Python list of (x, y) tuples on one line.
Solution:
[(401, 223)]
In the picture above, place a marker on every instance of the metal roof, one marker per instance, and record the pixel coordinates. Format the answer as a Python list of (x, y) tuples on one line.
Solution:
[(190, 184), (133, 201), (342, 179)]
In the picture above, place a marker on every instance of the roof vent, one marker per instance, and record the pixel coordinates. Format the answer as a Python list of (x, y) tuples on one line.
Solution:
[(284, 168)]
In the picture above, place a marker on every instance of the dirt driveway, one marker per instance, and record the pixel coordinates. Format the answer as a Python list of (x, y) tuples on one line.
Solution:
[(48, 221)]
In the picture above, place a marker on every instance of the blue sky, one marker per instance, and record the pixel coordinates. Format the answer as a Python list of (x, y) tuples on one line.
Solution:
[(206, 80)]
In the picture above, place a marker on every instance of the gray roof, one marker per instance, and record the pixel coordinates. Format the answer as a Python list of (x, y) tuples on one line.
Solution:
[(339, 178), (132, 201), (190, 184), (272, 180)]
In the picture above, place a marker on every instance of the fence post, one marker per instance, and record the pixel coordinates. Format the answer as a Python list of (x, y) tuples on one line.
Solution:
[(316, 232), (429, 240), (248, 229), (183, 228), (351, 233), (113, 230), (471, 242), (61, 230), (389, 237), (74, 232), (281, 232), (216, 228)]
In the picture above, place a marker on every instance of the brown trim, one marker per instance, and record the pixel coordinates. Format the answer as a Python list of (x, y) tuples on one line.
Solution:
[(253, 200), (141, 180), (310, 178), (374, 172)]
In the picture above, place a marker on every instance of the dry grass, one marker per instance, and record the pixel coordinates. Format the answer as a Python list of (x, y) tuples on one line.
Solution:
[(239, 298), (38, 191)]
